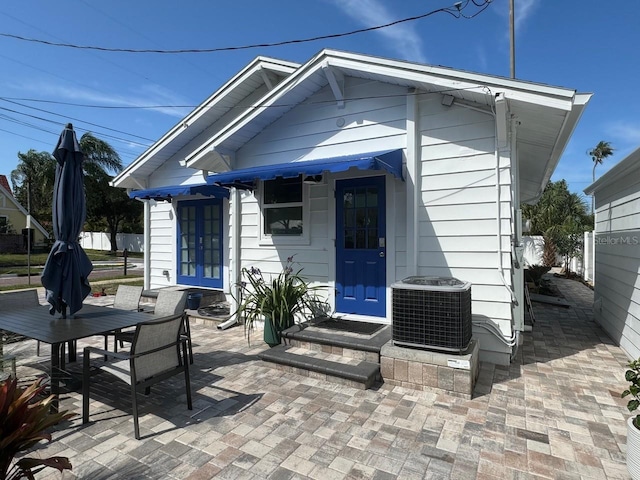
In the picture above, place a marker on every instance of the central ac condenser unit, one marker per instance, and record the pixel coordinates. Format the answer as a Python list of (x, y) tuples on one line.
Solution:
[(432, 313)]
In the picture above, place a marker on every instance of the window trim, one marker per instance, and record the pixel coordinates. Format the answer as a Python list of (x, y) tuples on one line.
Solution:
[(265, 239)]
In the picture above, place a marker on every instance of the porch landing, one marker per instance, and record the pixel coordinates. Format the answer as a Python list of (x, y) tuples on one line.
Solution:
[(337, 354)]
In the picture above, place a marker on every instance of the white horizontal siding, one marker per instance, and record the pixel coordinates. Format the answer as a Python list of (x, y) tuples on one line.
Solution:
[(617, 264), (458, 233), (162, 245)]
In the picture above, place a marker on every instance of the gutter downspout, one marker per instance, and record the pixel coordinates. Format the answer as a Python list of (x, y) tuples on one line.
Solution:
[(235, 276), (412, 181)]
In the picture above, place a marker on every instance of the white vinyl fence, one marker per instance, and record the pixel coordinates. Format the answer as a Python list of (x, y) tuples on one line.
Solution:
[(582, 265), (133, 242)]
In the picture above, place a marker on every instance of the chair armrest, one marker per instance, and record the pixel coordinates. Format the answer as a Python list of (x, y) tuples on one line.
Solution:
[(121, 355)]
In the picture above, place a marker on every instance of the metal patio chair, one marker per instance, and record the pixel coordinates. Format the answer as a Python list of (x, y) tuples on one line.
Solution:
[(11, 301), (169, 302), (127, 298), (155, 355)]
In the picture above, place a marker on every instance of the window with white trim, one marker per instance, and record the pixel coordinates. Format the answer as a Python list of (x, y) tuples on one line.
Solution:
[(284, 211), (4, 224)]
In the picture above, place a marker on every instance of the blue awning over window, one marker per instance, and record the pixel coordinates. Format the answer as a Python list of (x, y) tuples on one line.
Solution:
[(390, 160), (166, 193)]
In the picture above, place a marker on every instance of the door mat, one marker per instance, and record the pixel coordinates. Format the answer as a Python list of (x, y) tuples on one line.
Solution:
[(350, 326)]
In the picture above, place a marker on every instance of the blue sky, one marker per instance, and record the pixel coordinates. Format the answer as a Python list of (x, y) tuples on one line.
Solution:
[(587, 45)]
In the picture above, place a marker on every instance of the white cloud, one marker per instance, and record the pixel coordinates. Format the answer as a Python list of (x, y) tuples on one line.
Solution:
[(625, 132), (404, 40), (523, 9), (143, 96)]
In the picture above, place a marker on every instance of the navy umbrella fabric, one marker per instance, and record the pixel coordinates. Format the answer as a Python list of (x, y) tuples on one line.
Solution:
[(66, 272)]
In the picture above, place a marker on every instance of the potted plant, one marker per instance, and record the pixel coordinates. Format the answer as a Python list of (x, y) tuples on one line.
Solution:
[(276, 301), (25, 416), (632, 375)]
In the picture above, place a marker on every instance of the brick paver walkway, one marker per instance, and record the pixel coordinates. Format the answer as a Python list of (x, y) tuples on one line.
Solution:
[(554, 413)]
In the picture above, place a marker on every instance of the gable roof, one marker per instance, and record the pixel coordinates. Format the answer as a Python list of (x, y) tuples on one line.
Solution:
[(34, 222), (261, 73), (546, 115), (5, 184)]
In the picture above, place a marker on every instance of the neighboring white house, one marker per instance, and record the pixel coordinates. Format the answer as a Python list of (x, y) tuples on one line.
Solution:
[(617, 252), (368, 170)]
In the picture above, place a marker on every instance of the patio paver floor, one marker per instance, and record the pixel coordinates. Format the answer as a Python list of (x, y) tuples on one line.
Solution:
[(555, 412)]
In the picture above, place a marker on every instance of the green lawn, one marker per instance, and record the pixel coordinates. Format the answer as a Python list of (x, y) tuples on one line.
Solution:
[(16, 264), (109, 284)]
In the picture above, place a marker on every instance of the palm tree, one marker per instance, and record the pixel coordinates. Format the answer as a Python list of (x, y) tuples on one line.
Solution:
[(560, 216), (601, 151), (32, 182), (99, 156)]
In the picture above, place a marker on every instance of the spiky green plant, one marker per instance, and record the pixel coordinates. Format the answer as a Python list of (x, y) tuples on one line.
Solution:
[(280, 299), (24, 418)]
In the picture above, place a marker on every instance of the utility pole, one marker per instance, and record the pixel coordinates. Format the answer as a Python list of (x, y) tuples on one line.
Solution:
[(29, 231), (512, 31)]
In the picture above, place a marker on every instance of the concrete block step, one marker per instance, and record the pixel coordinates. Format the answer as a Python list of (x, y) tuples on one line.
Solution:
[(360, 375)]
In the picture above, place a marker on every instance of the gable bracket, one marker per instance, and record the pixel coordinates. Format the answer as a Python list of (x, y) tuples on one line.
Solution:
[(336, 82), (268, 78)]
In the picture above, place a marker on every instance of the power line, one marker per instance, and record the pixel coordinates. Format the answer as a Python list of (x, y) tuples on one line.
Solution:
[(279, 105), (77, 120), (455, 11)]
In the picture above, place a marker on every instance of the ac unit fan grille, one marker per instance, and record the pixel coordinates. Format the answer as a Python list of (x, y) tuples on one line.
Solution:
[(432, 319)]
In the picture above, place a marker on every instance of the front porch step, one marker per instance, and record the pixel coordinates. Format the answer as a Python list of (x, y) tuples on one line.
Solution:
[(343, 370)]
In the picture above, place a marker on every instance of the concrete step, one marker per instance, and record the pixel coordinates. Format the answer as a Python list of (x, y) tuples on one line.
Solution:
[(310, 336), (335, 368)]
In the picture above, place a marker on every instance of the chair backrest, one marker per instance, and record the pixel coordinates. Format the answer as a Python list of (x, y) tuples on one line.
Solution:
[(127, 297), (12, 301), (163, 335), (170, 302)]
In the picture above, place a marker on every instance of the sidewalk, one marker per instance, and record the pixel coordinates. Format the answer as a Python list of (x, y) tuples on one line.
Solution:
[(553, 413)]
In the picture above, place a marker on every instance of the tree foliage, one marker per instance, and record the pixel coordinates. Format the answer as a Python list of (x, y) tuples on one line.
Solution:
[(108, 208), (561, 217)]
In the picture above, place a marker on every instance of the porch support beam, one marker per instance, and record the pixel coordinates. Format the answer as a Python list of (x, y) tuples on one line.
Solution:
[(336, 82)]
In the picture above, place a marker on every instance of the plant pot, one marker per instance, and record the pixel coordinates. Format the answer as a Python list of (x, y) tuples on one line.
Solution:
[(193, 301), (271, 333), (633, 449)]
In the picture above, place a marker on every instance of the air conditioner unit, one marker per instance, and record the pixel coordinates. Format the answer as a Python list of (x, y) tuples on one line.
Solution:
[(432, 313)]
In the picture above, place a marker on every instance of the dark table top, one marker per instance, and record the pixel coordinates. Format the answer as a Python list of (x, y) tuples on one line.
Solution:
[(39, 324)]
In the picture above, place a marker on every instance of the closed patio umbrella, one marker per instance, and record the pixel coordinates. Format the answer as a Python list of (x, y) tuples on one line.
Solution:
[(66, 272)]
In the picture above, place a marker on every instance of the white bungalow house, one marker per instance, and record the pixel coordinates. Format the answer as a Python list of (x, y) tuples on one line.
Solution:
[(369, 170)]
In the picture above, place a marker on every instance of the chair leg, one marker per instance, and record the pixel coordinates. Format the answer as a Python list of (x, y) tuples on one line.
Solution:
[(187, 377), (38, 348), (85, 387), (134, 402), (187, 329)]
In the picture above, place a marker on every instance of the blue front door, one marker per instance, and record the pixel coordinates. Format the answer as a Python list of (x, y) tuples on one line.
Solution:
[(360, 246), (200, 243)]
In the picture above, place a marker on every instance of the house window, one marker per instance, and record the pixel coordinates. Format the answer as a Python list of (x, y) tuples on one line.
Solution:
[(4, 224), (284, 211), (282, 207)]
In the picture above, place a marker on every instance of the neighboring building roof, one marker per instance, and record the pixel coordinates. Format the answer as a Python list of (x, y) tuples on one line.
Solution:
[(34, 222), (620, 170), (5, 184), (546, 115)]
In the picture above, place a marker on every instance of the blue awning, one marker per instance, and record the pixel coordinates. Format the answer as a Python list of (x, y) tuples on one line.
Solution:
[(167, 192), (390, 160)]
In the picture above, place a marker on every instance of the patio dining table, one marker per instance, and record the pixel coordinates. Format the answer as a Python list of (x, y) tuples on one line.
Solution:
[(37, 323)]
